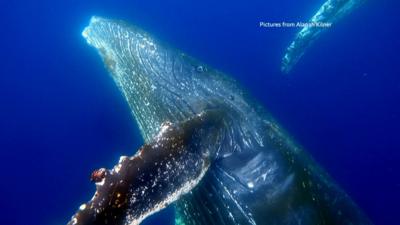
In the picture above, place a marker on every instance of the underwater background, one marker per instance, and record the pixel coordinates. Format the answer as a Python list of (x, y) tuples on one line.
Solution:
[(62, 116)]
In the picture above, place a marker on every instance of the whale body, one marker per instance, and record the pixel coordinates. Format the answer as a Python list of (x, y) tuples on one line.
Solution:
[(252, 171), (330, 12)]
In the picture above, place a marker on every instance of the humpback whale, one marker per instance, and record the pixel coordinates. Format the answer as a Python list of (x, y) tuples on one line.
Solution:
[(210, 148), (330, 12)]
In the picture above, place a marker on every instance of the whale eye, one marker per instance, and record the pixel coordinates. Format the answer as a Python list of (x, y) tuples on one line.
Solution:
[(98, 175), (200, 69)]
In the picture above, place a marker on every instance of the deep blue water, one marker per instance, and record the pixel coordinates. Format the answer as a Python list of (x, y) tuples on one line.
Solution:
[(61, 115)]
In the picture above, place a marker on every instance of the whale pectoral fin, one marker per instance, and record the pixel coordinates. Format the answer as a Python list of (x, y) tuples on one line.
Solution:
[(156, 176), (329, 13)]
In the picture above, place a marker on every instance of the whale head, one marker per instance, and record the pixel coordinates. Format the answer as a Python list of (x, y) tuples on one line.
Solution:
[(159, 83)]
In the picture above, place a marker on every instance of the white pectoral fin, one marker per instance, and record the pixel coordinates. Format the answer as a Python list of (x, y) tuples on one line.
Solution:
[(327, 15)]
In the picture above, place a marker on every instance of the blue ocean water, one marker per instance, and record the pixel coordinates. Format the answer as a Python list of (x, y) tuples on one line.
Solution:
[(61, 115)]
